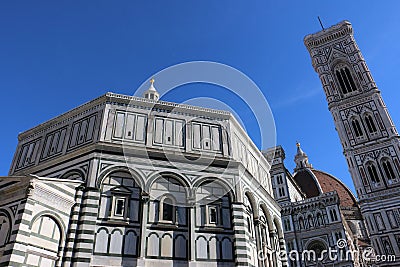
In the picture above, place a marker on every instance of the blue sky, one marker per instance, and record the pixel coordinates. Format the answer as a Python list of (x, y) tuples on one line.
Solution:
[(56, 55)]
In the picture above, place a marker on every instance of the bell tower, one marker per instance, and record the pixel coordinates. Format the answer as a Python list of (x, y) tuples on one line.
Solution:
[(371, 143)]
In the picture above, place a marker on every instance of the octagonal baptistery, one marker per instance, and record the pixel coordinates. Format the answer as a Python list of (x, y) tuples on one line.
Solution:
[(154, 183)]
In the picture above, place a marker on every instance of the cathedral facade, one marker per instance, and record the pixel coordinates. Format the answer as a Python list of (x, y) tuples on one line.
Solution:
[(319, 213)]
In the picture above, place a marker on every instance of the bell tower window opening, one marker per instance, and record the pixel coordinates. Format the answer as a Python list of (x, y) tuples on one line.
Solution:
[(373, 174), (370, 124), (389, 172), (357, 128), (346, 81)]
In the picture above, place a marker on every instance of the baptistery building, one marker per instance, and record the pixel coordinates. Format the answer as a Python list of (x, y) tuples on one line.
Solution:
[(131, 181)]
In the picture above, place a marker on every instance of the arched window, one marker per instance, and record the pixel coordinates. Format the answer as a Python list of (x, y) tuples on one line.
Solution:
[(213, 205), (318, 247), (356, 127), (286, 225), (338, 235), (387, 167), (281, 191), (333, 214), (167, 210), (320, 220), (373, 174), (370, 124), (47, 232), (250, 215), (5, 227), (310, 221), (280, 179), (120, 197), (345, 79), (301, 223)]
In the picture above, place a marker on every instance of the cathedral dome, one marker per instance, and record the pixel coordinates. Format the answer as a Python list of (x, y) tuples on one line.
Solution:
[(315, 182)]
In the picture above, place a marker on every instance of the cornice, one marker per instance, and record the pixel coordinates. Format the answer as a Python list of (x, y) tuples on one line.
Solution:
[(63, 118), (334, 32), (44, 195), (124, 100)]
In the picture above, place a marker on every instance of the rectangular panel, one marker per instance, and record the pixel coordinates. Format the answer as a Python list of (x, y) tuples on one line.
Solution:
[(392, 219), (179, 133), (130, 126), (90, 129), (74, 134), (198, 216), (54, 143), (22, 156), (62, 139), (181, 214), (168, 133), (47, 145), (252, 166), (140, 130), (35, 151), (134, 210), (216, 137), (243, 152), (226, 218), (119, 125), (30, 153), (153, 211), (158, 130), (196, 130), (82, 131), (206, 138), (103, 207)]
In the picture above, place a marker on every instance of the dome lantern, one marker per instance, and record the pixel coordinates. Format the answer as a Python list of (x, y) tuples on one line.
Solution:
[(151, 93)]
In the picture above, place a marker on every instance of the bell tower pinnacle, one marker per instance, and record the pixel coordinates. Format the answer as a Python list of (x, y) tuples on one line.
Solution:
[(370, 141)]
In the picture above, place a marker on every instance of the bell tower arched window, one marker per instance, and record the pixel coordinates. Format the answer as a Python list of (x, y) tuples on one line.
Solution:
[(357, 128), (373, 174), (370, 124), (345, 79), (388, 169)]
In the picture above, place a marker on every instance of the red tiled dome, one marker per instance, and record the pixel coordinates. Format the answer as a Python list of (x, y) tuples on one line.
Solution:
[(306, 180), (314, 182), (330, 183)]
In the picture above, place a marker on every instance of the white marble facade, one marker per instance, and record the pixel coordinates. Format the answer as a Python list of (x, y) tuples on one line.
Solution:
[(151, 183)]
